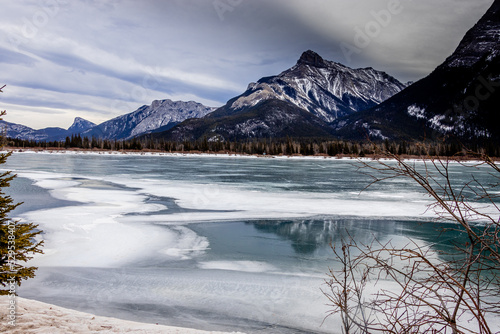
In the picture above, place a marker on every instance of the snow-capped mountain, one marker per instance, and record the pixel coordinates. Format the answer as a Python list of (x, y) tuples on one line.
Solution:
[(19, 131), (300, 101), (327, 89), (159, 116), (460, 98)]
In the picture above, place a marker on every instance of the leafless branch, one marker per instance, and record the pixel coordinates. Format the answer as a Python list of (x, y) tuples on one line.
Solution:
[(435, 292)]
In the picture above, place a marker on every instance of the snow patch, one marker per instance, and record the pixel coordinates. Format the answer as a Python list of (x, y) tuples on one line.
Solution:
[(436, 124), (415, 111), (375, 133)]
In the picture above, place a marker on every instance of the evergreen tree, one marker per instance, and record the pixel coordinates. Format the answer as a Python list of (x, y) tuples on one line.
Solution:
[(289, 148), (355, 149), (321, 148), (17, 240), (204, 146)]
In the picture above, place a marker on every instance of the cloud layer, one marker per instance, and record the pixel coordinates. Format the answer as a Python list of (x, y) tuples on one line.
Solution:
[(98, 59)]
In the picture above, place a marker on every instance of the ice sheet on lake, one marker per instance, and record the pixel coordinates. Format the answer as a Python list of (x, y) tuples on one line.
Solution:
[(245, 266), (118, 224), (100, 232), (91, 235), (221, 202), (251, 302)]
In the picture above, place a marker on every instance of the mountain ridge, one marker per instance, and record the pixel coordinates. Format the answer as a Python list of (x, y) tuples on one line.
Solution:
[(458, 99), (160, 115), (19, 131)]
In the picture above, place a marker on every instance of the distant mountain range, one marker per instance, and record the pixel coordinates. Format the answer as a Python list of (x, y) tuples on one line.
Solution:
[(301, 101), (320, 98), (159, 116), (48, 134)]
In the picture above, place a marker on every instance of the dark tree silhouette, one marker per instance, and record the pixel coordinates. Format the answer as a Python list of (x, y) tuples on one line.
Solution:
[(18, 241)]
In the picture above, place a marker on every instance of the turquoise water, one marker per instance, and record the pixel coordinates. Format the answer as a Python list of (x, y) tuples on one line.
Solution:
[(208, 242)]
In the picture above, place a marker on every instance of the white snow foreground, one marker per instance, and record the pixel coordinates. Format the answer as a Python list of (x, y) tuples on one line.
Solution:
[(37, 317)]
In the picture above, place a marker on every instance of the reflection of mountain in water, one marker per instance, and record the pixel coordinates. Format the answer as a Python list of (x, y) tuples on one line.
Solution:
[(309, 235)]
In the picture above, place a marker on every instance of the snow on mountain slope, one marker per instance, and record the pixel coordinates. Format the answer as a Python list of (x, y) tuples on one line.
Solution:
[(327, 89), (160, 115), (79, 125), (23, 132)]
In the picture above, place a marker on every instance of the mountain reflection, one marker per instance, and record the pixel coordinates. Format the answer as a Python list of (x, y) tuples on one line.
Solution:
[(307, 236)]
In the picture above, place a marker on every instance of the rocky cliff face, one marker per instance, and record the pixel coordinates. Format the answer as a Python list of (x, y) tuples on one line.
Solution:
[(480, 43)]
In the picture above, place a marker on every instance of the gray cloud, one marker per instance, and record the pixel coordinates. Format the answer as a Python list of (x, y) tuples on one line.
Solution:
[(46, 107), (13, 57)]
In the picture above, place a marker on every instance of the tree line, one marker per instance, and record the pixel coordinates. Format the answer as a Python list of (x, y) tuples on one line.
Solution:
[(286, 146)]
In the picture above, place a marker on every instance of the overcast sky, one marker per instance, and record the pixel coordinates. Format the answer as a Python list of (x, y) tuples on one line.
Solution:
[(98, 59)]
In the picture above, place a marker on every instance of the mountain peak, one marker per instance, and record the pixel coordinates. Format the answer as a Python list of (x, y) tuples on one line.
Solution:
[(80, 125), (326, 89), (311, 58)]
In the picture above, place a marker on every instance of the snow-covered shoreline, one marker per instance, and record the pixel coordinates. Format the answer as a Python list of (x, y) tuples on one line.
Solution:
[(227, 155), (169, 154), (36, 317)]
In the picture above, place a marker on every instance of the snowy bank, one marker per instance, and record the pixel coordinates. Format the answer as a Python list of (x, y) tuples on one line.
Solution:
[(37, 317), (411, 159)]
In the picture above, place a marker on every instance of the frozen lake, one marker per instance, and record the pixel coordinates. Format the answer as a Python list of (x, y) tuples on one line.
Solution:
[(205, 242)]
